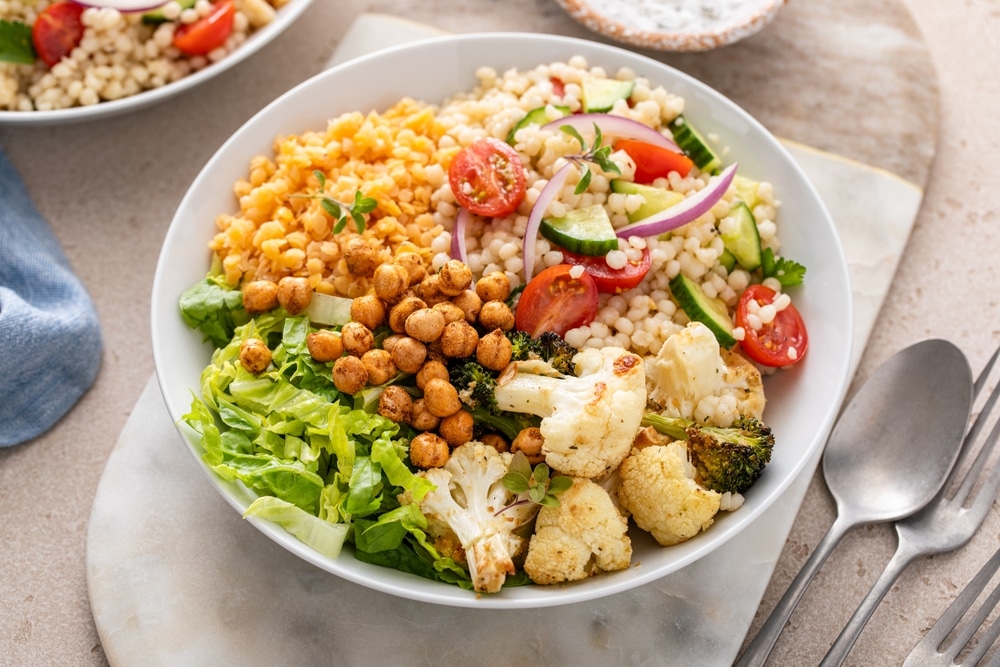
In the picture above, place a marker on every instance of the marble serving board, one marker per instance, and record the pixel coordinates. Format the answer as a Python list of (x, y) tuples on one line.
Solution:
[(177, 577)]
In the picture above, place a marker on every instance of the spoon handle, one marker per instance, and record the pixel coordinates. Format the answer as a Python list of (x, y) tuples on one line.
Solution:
[(758, 649), (845, 641)]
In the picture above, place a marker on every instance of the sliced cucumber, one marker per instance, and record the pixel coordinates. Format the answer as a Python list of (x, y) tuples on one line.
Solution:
[(746, 190), (155, 16), (585, 231), (655, 199), (537, 116), (742, 238), (694, 145), (727, 260), (600, 95), (701, 308)]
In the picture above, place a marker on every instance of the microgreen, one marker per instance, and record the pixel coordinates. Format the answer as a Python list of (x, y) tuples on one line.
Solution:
[(788, 272), (597, 154), (536, 483), (341, 212)]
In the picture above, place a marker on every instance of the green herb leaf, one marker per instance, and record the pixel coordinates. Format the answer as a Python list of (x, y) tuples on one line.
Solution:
[(788, 272), (15, 43)]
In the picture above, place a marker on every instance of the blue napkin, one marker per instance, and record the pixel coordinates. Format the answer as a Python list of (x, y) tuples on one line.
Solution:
[(50, 337)]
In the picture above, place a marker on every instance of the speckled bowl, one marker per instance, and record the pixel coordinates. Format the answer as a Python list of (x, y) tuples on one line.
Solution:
[(639, 30)]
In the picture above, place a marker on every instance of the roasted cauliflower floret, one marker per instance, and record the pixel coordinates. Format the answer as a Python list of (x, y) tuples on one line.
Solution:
[(588, 420), (467, 501), (694, 378), (656, 486), (583, 536)]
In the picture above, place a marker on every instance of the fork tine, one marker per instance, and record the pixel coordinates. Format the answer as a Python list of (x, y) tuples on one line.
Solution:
[(949, 619), (974, 623), (981, 380), (977, 426)]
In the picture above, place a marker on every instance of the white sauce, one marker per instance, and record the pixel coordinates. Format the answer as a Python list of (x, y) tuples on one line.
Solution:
[(672, 15)]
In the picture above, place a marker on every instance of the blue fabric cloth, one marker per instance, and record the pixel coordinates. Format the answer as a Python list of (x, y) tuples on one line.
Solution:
[(50, 337)]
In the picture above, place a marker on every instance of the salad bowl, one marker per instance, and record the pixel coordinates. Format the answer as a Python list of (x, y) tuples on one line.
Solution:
[(802, 401), (284, 17)]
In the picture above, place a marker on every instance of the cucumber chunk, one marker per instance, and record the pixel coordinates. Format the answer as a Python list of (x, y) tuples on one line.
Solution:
[(701, 308), (746, 190), (655, 199), (727, 260), (742, 238), (600, 95), (155, 16), (584, 231), (537, 116), (694, 145)]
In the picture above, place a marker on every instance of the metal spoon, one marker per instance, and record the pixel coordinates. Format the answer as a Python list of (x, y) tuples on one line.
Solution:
[(887, 457)]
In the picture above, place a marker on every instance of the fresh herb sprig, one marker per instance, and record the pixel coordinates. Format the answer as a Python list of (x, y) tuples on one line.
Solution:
[(15, 43), (340, 211), (597, 154), (541, 488), (788, 272)]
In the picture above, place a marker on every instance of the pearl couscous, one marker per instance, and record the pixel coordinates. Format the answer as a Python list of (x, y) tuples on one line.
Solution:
[(118, 54)]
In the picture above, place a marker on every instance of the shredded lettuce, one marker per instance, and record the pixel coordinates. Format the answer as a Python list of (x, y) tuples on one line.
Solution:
[(214, 308), (326, 470)]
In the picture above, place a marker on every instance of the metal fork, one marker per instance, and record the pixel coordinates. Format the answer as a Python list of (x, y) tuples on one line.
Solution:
[(930, 651), (948, 522)]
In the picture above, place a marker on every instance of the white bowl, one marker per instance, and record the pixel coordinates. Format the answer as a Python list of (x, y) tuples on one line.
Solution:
[(635, 22), (802, 402), (284, 17)]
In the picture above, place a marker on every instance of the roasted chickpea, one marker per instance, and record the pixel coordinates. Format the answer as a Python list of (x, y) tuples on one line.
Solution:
[(429, 289), (496, 441), (294, 294), (349, 375), (454, 277), (496, 315), (407, 353), (325, 345), (441, 398), (421, 418), (402, 310), (255, 355), (260, 296), (357, 338), (429, 370), (414, 265), (425, 325), (389, 341), (451, 312), (395, 404), (459, 339), (428, 450), (494, 350), (361, 258), (390, 282), (529, 441), (369, 310), (379, 365), (493, 287), (456, 429), (470, 303)]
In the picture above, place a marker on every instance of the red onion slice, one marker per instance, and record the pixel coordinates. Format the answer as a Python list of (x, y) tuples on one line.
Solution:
[(615, 126), (124, 6), (458, 249), (686, 211), (548, 193)]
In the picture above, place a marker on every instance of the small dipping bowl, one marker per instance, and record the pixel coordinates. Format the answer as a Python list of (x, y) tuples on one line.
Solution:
[(674, 25)]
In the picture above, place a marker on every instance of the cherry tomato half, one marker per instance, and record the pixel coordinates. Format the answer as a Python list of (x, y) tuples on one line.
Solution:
[(770, 345), (611, 281), (556, 301), (558, 87), (651, 161), (57, 31), (207, 33), (487, 178)]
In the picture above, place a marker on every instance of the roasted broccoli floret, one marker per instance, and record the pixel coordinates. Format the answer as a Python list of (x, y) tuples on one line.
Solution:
[(726, 459), (476, 387), (549, 347)]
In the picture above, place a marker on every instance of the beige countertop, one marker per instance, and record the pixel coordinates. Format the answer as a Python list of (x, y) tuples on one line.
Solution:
[(109, 190)]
